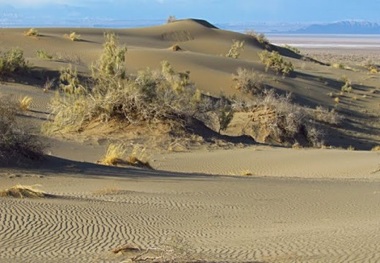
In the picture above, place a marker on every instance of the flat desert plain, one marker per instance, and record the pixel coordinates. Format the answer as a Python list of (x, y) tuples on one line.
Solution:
[(228, 196)]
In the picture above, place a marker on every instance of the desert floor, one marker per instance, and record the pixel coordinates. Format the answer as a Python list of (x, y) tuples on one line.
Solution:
[(234, 202)]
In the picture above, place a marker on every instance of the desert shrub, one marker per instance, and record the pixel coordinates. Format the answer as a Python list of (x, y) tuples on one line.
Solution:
[(273, 60), (338, 65), (225, 113), (69, 81), (32, 33), (260, 37), (347, 86), (236, 48), (293, 49), (73, 36), (322, 114), (117, 154), (42, 54), (150, 96), (276, 119), (25, 102), (12, 61), (23, 191), (17, 146), (111, 64), (248, 81)]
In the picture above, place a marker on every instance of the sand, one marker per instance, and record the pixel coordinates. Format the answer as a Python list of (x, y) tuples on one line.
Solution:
[(217, 202)]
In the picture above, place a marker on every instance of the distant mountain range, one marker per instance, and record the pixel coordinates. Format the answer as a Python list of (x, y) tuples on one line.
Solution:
[(342, 27)]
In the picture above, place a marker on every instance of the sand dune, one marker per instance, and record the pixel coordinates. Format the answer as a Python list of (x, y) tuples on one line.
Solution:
[(216, 218), (217, 201)]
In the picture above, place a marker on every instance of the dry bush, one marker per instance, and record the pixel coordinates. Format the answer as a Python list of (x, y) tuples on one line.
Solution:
[(276, 119), (42, 54), (176, 48), (224, 112), (23, 191), (68, 58), (376, 148), (11, 62), (69, 81), (17, 146), (347, 87), (293, 49), (322, 114), (338, 65), (73, 36), (236, 48), (260, 37), (32, 32), (149, 97), (25, 102), (249, 81), (115, 154), (273, 60)]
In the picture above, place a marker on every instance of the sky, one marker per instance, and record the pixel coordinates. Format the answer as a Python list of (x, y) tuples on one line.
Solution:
[(215, 11)]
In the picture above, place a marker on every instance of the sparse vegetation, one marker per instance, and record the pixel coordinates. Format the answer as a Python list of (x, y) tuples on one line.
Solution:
[(11, 62), (235, 50), (25, 103), (73, 36), (339, 65), (376, 148), (260, 37), (115, 154), (32, 33), (322, 114), (249, 81), (17, 146), (293, 49), (42, 54), (275, 119), (225, 113), (273, 60), (69, 81), (150, 96), (23, 191), (347, 87)]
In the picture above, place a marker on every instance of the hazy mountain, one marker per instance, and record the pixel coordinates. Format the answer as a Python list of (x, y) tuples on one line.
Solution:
[(342, 27)]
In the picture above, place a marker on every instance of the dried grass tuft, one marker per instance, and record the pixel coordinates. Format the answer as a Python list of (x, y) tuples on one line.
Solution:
[(23, 191)]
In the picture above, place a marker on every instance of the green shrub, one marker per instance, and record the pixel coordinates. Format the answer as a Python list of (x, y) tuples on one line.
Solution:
[(12, 61), (273, 60), (236, 48)]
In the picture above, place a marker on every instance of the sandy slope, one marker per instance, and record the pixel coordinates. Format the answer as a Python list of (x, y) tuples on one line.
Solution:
[(279, 205)]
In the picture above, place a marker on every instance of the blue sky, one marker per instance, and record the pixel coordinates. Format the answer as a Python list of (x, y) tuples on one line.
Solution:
[(215, 11)]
